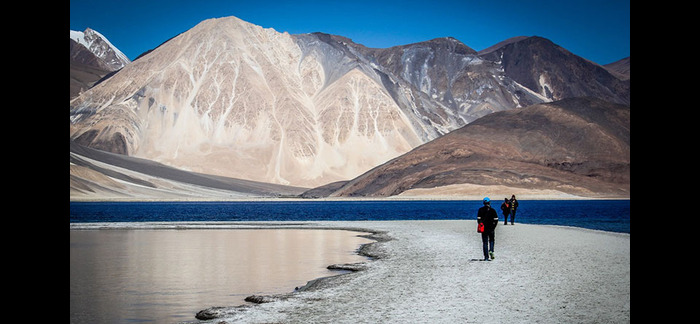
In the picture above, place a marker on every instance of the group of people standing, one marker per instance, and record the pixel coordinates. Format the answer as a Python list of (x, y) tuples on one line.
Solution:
[(509, 207), (489, 218)]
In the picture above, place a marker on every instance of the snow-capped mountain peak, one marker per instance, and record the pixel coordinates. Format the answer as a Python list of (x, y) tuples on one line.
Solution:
[(99, 45)]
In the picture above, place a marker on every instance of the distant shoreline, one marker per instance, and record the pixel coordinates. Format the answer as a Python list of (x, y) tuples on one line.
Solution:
[(393, 198)]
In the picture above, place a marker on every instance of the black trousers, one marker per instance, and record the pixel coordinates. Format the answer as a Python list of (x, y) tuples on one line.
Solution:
[(489, 239), (512, 217)]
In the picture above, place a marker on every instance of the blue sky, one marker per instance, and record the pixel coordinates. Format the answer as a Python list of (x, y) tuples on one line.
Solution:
[(598, 30)]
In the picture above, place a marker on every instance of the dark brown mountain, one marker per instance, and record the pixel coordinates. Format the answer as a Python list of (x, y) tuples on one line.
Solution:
[(501, 44), (577, 146), (620, 68), (556, 73), (85, 69)]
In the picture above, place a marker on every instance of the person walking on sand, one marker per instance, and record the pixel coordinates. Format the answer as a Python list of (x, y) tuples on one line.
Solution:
[(489, 218), (505, 208), (513, 208)]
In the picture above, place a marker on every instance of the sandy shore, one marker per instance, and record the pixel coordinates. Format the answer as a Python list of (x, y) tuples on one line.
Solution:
[(432, 272)]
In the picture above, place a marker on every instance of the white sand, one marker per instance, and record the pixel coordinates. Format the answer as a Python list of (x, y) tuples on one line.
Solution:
[(431, 272)]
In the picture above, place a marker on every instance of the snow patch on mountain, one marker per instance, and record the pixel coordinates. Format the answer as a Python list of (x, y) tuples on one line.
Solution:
[(99, 45)]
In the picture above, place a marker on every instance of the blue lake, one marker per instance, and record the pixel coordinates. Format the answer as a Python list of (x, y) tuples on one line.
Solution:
[(607, 215)]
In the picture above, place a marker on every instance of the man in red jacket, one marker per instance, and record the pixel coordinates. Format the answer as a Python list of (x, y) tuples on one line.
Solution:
[(489, 218)]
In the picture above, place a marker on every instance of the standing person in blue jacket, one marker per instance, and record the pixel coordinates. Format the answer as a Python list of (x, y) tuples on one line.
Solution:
[(489, 218)]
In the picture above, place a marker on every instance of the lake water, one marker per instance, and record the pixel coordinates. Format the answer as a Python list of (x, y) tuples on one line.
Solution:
[(607, 215), (167, 276)]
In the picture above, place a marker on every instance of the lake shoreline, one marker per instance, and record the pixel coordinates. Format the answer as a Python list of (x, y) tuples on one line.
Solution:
[(426, 270)]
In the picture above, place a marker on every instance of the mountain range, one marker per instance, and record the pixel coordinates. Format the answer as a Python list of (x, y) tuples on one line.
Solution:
[(232, 100)]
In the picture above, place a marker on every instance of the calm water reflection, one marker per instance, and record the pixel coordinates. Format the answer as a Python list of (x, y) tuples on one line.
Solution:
[(166, 276)]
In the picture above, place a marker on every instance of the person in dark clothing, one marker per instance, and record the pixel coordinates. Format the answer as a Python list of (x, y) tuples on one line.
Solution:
[(513, 208), (489, 218), (505, 208)]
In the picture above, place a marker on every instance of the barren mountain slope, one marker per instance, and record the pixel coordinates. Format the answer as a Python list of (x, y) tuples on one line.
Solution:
[(99, 175), (578, 146), (231, 98)]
